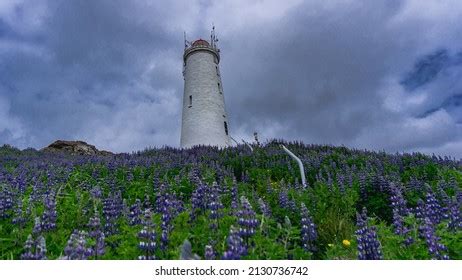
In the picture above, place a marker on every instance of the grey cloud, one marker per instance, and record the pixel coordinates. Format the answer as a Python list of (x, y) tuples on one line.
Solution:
[(110, 72)]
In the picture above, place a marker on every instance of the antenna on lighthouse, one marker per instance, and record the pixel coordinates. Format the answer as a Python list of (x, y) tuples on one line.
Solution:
[(185, 42), (213, 37)]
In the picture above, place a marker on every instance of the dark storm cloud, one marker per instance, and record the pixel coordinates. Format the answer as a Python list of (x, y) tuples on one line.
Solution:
[(381, 75), (93, 56)]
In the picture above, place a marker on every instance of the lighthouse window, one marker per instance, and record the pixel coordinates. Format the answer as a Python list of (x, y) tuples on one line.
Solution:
[(218, 73), (226, 128), (219, 88), (190, 100)]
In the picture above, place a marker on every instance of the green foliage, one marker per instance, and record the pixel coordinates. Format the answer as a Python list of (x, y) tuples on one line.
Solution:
[(263, 174)]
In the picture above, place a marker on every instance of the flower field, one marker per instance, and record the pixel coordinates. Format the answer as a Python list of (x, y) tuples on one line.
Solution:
[(206, 203)]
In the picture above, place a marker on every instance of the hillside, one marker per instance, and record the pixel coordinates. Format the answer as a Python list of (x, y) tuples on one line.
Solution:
[(230, 204)]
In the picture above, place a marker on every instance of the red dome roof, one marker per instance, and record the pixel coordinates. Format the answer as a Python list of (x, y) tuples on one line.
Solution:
[(200, 42)]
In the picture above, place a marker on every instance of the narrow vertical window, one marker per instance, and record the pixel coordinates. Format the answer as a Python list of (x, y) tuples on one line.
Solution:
[(226, 128), (219, 88), (190, 100), (218, 72)]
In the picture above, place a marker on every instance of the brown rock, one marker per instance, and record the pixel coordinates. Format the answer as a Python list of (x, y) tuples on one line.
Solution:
[(75, 148)]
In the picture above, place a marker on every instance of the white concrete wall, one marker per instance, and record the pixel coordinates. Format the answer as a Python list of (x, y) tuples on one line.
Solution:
[(203, 121)]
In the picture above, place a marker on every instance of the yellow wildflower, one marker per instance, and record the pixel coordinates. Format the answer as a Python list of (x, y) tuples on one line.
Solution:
[(346, 243)]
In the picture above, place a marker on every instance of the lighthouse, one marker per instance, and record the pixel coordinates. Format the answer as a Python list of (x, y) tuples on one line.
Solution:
[(204, 118)]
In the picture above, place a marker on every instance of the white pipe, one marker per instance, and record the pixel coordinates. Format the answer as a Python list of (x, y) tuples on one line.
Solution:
[(248, 145), (234, 140), (300, 164)]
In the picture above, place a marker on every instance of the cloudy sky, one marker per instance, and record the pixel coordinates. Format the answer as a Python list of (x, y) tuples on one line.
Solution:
[(382, 75)]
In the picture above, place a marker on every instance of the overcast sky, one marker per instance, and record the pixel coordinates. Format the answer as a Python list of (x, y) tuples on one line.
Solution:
[(382, 75)]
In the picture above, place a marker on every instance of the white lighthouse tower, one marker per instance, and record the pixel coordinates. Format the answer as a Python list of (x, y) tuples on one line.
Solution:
[(204, 119)]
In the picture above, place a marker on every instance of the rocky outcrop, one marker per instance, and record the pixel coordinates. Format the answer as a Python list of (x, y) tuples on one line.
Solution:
[(75, 148)]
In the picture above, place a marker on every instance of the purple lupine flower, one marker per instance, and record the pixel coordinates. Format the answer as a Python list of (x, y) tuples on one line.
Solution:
[(148, 237), (292, 206), (455, 216), (264, 208), (28, 254), (246, 219), (432, 208), (368, 243), (198, 201), (135, 213), (427, 231), (419, 210), (283, 199), (41, 249), (166, 217), (234, 198), (308, 230), (214, 205), (400, 210), (362, 185), (341, 183), (95, 232), (415, 184), (77, 247), (96, 192), (6, 202), (50, 214), (194, 177), (19, 217), (397, 200), (236, 248), (147, 202), (209, 253), (37, 226), (112, 209), (35, 250)]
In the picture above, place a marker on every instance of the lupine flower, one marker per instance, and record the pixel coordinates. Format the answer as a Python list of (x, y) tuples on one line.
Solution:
[(95, 231), (37, 226), (49, 215), (19, 215), (341, 183), (135, 213), (6, 202), (77, 247), (112, 209), (436, 249), (35, 250), (292, 206), (308, 230), (236, 248), (246, 219), (96, 192), (264, 208), (198, 201), (400, 210), (419, 210), (148, 237), (455, 216), (214, 205), (397, 200), (368, 243), (433, 209), (234, 198), (362, 185), (283, 199), (209, 253)]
